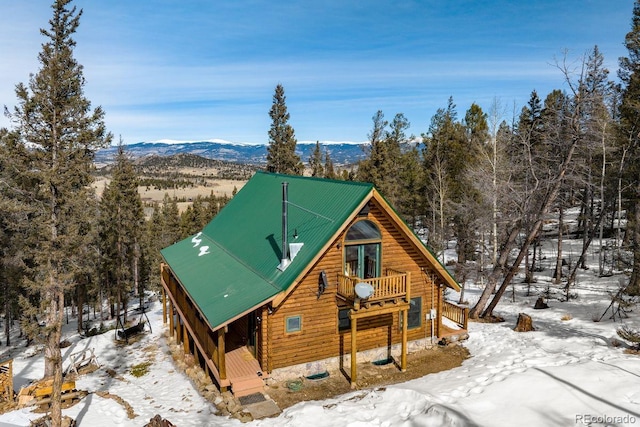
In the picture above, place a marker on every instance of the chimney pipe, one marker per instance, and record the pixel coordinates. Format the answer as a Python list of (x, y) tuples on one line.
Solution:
[(284, 260)]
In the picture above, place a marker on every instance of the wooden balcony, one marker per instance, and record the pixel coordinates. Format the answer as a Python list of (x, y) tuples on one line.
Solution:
[(392, 287)]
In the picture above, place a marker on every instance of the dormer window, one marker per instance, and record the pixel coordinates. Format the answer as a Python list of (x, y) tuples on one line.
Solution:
[(362, 246)]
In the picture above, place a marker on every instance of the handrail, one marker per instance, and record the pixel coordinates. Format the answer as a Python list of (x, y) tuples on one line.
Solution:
[(455, 313), (386, 287)]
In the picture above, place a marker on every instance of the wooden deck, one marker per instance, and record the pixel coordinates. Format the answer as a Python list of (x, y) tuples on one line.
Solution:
[(392, 287), (244, 372)]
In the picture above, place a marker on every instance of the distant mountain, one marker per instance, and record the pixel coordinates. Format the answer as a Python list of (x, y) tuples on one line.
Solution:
[(342, 153)]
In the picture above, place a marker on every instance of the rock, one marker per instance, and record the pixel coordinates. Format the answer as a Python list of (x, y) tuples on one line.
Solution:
[(245, 417), (540, 304), (234, 407)]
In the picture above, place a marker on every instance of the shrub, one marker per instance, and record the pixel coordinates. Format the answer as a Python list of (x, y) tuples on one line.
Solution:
[(140, 369)]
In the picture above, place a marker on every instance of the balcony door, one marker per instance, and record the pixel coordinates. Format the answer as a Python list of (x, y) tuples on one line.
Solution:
[(362, 250)]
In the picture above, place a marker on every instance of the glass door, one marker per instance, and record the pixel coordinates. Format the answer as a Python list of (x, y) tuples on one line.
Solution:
[(363, 260)]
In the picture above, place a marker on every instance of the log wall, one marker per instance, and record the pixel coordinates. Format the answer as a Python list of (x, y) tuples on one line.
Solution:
[(320, 338)]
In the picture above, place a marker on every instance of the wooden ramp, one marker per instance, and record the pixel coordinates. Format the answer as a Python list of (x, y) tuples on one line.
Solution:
[(244, 372), (452, 334)]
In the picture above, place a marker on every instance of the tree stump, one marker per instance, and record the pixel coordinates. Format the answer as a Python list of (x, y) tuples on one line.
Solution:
[(525, 323), (540, 304), (158, 421)]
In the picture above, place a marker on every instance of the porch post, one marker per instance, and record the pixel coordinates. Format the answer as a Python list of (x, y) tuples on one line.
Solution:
[(185, 337), (354, 350), (171, 320), (439, 313), (222, 368), (403, 356), (164, 306), (179, 337)]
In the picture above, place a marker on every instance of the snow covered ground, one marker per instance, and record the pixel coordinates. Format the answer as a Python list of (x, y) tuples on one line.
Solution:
[(571, 371)]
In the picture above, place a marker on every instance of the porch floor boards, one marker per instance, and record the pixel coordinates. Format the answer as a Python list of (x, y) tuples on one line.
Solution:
[(244, 372)]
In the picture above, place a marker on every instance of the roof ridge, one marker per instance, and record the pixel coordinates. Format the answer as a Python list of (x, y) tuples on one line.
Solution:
[(317, 178)]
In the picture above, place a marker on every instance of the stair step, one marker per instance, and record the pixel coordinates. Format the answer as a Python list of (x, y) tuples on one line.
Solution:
[(247, 385)]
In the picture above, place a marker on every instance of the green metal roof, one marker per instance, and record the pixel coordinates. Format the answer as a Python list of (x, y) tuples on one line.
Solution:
[(232, 265)]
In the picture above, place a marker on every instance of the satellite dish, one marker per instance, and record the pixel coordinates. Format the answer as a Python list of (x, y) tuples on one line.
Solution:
[(363, 290)]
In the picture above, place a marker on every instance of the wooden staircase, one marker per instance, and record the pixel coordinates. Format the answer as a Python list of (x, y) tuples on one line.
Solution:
[(244, 372)]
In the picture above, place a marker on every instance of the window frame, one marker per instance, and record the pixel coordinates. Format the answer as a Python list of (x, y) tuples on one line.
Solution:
[(360, 245), (286, 324)]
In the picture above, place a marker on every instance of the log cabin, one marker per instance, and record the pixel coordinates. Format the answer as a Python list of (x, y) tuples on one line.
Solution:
[(298, 276)]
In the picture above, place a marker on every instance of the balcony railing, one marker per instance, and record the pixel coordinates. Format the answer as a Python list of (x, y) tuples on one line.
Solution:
[(392, 286), (455, 313)]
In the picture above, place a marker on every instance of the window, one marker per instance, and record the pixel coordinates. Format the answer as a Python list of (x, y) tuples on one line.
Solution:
[(293, 324), (362, 250), (363, 230), (414, 317), (344, 323)]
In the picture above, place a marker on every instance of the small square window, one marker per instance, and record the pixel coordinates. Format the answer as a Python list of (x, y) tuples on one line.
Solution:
[(294, 324)]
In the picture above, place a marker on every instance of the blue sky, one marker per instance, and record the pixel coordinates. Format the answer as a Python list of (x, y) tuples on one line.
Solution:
[(199, 70)]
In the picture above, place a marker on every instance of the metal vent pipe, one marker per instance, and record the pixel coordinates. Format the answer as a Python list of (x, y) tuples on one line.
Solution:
[(285, 224)]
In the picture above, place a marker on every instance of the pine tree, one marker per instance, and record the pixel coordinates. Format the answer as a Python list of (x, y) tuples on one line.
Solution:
[(629, 131), (14, 224), (121, 226), (281, 152), (388, 142), (376, 167), (58, 134), (315, 161), (444, 155), (329, 170), (163, 229), (411, 177)]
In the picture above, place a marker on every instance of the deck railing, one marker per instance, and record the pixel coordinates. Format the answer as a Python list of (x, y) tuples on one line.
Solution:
[(455, 313), (387, 287)]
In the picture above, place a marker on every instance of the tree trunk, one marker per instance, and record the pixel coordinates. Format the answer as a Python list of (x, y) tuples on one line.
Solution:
[(514, 268), (557, 275), (7, 315), (53, 355), (634, 280), (544, 209), (602, 204), (475, 311), (80, 303), (583, 254)]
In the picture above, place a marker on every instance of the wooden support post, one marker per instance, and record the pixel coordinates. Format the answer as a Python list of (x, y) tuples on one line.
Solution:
[(179, 337), (439, 313), (185, 338), (222, 367), (171, 320), (403, 356), (196, 354), (164, 306), (354, 351)]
